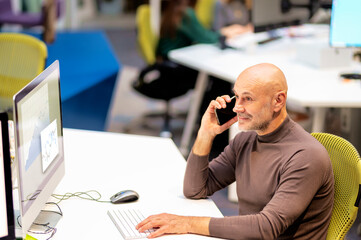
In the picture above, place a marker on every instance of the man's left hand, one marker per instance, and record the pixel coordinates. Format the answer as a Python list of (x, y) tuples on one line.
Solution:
[(173, 224)]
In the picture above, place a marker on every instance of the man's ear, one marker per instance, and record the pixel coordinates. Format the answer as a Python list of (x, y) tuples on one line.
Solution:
[(279, 101)]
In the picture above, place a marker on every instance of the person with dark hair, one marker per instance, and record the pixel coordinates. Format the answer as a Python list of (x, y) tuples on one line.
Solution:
[(181, 28)]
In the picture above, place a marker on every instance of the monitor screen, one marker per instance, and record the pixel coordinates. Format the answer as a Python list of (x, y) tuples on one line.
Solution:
[(39, 142), (268, 14), (345, 23), (6, 202)]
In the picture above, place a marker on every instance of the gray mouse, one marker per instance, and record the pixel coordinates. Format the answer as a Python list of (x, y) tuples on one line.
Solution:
[(124, 196)]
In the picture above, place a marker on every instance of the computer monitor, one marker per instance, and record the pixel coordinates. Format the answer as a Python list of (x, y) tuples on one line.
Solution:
[(344, 28), (345, 23), (39, 143), (7, 226), (268, 15)]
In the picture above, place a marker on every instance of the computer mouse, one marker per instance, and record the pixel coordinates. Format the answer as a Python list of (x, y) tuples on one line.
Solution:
[(124, 197)]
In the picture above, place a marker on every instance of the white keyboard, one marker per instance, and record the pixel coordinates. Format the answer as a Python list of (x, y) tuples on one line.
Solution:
[(126, 220)]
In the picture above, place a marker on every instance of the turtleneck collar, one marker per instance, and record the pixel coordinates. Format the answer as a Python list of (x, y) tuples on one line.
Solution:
[(277, 134)]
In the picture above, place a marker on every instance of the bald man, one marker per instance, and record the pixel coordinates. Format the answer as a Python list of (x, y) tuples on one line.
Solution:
[(284, 176)]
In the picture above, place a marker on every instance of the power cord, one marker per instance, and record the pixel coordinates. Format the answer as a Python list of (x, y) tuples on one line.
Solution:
[(91, 195)]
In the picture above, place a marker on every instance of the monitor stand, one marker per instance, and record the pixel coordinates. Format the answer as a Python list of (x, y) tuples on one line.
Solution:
[(317, 53), (44, 223)]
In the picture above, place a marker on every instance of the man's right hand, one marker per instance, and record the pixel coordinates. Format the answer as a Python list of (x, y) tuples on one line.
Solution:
[(209, 126)]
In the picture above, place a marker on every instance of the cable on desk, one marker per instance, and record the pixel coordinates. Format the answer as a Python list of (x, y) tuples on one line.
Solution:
[(92, 195), (48, 228), (88, 195)]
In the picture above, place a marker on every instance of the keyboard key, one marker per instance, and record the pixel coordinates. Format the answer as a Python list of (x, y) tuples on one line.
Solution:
[(126, 220)]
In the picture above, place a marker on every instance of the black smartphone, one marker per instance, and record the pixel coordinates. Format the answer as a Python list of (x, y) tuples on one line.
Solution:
[(225, 114)]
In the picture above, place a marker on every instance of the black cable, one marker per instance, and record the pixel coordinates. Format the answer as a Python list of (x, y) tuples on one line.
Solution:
[(49, 229)]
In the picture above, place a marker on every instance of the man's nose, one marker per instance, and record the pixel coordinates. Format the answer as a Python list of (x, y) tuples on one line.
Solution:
[(238, 108)]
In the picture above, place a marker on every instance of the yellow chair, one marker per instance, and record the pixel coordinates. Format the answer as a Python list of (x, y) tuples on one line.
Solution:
[(147, 40), (161, 80), (204, 10), (346, 164), (22, 58)]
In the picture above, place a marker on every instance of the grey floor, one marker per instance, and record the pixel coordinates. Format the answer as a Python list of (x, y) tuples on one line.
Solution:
[(122, 35)]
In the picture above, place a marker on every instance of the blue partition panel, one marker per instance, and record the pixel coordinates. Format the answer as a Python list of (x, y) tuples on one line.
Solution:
[(88, 72)]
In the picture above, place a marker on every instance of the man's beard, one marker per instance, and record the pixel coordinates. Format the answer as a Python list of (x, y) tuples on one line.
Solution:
[(256, 126), (259, 126)]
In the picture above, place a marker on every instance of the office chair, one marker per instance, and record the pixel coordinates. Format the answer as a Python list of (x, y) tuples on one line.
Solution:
[(146, 38), (51, 10), (159, 80), (22, 58), (346, 164), (204, 10)]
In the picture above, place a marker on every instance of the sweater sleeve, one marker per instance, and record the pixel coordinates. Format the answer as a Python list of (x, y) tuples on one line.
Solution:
[(195, 178), (202, 178), (300, 180)]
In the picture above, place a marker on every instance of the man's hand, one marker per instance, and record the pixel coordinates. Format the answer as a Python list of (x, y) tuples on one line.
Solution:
[(235, 30), (209, 126), (173, 224)]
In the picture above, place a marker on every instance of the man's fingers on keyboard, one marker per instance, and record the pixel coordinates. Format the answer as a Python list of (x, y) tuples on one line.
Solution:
[(145, 227), (149, 223), (142, 223), (156, 233)]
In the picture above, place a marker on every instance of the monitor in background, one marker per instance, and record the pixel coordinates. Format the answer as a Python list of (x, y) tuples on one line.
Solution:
[(7, 226), (345, 23), (268, 15), (345, 28), (39, 144)]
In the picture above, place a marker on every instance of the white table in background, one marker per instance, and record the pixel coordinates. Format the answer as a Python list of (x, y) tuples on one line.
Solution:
[(307, 86)]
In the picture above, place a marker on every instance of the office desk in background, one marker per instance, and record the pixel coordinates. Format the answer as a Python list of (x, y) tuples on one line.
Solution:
[(308, 86), (110, 162)]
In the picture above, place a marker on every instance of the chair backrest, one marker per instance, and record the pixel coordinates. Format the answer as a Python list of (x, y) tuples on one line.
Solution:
[(147, 39), (205, 10), (22, 58), (346, 164)]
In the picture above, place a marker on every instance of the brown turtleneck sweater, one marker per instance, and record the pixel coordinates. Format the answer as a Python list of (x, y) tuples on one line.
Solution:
[(284, 185)]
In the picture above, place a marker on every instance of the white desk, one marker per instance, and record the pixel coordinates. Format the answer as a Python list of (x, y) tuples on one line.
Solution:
[(108, 163), (308, 86)]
